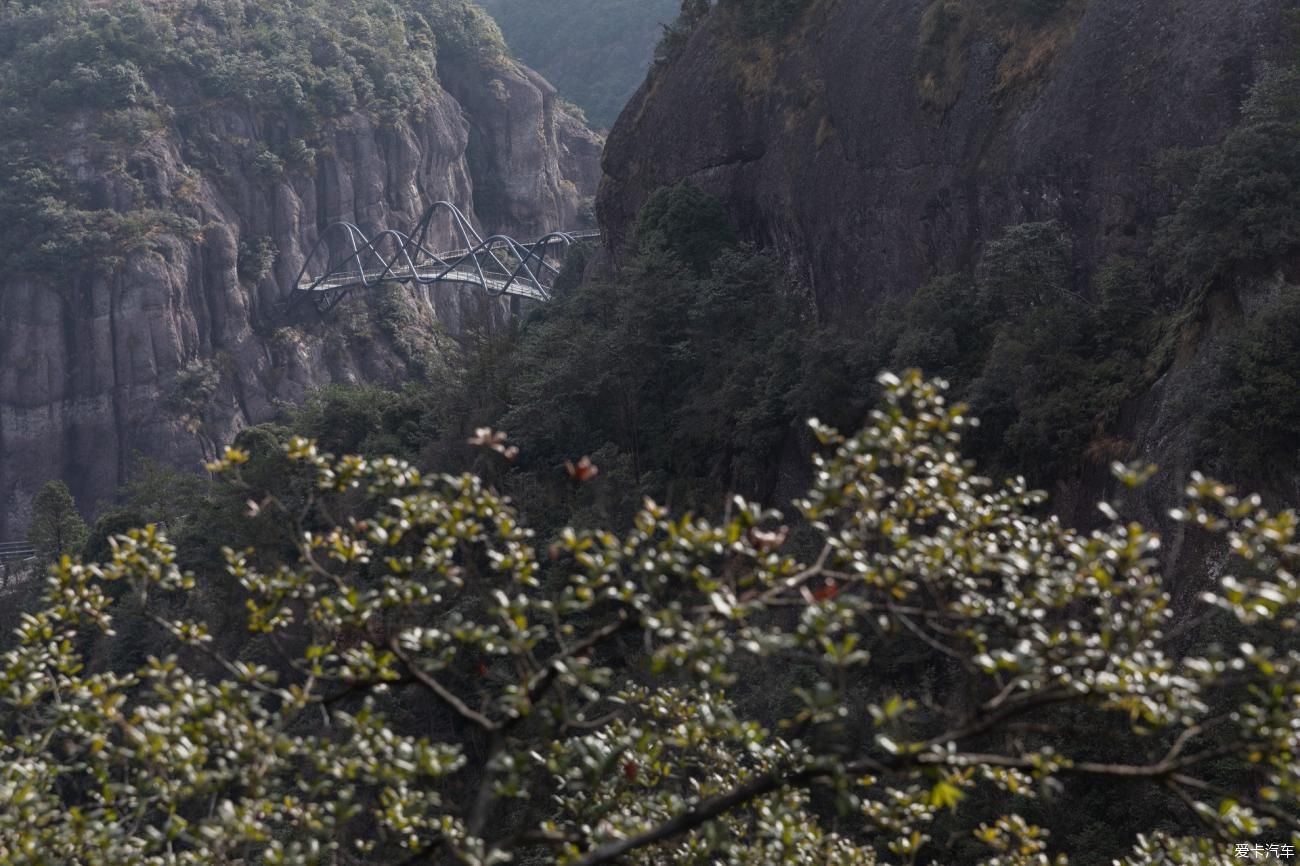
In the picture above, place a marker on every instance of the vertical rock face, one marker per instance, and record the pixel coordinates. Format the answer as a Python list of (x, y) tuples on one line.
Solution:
[(171, 351), (874, 153), (878, 144), (523, 180)]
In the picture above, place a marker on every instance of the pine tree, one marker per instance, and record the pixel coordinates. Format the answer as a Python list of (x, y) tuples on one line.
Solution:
[(57, 527)]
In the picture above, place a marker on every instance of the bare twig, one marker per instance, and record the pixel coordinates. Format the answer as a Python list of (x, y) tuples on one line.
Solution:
[(538, 685), (932, 643), (462, 709)]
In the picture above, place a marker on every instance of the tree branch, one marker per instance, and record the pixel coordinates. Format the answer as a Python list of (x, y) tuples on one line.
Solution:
[(462, 709), (992, 720), (1289, 820), (962, 660), (703, 812), (542, 680)]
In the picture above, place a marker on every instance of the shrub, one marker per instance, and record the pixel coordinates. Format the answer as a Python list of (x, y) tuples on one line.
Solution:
[(464, 29), (684, 222), (268, 166), (256, 258), (190, 392), (1028, 267), (944, 329)]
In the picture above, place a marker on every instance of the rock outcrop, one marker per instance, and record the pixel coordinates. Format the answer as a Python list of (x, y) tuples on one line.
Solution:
[(874, 150), (169, 352), (878, 144)]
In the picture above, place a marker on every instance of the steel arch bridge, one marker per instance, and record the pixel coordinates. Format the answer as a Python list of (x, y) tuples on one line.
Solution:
[(499, 265)]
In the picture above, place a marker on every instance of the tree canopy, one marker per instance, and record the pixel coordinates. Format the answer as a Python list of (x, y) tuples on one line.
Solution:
[(128, 70), (423, 683), (56, 527)]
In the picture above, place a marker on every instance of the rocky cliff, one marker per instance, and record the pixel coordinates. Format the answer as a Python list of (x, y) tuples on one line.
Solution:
[(880, 141), (170, 347)]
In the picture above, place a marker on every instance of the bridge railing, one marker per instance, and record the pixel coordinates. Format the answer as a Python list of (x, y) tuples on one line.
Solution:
[(499, 264), (16, 550)]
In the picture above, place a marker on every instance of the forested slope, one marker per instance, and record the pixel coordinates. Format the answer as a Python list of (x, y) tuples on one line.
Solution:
[(1082, 212)]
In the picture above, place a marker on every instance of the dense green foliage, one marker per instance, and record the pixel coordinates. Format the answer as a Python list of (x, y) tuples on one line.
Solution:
[(1240, 204), (595, 52), (1048, 357), (610, 369), (686, 223), (619, 386), (1046, 366), (420, 423), (1239, 222), (1060, 366), (1258, 394), (323, 59), (680, 377), (391, 669), (416, 683), (109, 75), (49, 228)]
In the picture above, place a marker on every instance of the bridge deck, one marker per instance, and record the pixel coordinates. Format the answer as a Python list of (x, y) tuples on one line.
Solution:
[(426, 273)]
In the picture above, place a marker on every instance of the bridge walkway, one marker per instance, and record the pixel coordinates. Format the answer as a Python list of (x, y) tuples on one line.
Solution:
[(499, 265)]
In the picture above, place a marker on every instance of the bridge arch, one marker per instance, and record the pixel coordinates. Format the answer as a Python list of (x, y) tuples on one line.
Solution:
[(499, 264)]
